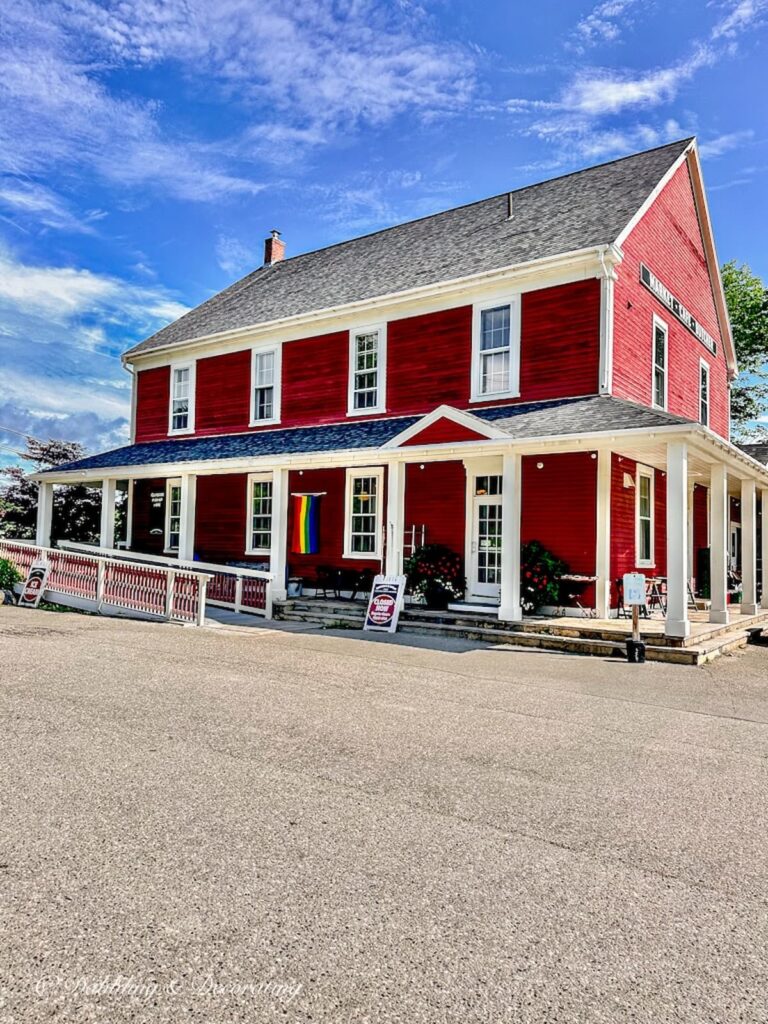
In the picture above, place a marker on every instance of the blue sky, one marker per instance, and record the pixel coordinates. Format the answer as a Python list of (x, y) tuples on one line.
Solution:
[(147, 148)]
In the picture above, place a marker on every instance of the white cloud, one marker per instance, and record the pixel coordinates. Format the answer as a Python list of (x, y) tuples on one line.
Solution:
[(32, 201), (603, 24), (742, 15), (233, 256), (724, 143)]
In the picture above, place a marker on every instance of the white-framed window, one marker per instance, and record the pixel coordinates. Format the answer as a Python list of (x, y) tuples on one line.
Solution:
[(259, 514), (496, 349), (363, 513), (660, 352), (704, 392), (367, 370), (181, 406), (266, 373), (645, 517), (172, 515)]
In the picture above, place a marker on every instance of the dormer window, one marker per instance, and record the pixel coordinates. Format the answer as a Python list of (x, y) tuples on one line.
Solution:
[(367, 370), (496, 349), (265, 386), (181, 413)]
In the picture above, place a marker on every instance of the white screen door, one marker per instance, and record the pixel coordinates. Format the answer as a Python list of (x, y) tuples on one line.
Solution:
[(486, 537)]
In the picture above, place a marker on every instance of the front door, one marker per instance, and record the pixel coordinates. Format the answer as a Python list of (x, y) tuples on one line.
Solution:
[(485, 579)]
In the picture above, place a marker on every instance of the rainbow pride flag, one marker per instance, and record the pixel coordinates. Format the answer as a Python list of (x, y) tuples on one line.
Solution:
[(305, 539)]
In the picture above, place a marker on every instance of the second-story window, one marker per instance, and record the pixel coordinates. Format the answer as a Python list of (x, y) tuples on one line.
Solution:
[(496, 350), (704, 393), (367, 370), (181, 419), (265, 386), (660, 335)]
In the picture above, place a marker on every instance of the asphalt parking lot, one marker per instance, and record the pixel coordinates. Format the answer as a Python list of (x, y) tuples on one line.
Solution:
[(218, 826)]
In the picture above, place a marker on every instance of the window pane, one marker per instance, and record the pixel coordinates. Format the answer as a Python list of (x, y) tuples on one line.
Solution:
[(494, 372), (645, 540), (494, 328), (364, 519), (660, 347), (261, 515)]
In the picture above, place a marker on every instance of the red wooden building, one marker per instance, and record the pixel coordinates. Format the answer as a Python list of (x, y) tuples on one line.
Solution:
[(552, 364)]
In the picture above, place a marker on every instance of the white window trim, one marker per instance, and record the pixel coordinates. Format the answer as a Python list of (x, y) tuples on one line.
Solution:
[(190, 365), (277, 385), (645, 563), (167, 549), (381, 388), (352, 474), (704, 365), (254, 478), (514, 301), (658, 322)]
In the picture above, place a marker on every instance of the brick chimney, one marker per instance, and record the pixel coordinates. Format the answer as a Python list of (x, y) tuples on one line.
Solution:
[(274, 248)]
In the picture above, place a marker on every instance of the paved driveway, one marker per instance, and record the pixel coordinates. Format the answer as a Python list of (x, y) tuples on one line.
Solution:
[(218, 826)]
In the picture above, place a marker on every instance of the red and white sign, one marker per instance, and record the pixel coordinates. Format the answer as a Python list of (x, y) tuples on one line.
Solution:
[(35, 585), (385, 603)]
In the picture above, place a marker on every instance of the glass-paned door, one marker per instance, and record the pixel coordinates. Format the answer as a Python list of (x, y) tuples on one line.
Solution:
[(486, 541)]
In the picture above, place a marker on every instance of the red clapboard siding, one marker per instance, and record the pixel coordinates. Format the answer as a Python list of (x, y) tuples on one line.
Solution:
[(152, 398), (435, 497), (428, 360), (444, 431), (220, 519), (147, 518), (315, 379), (560, 346), (333, 483), (223, 393), (668, 239), (560, 507), (623, 522)]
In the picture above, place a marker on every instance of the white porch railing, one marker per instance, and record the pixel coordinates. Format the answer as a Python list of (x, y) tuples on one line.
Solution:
[(229, 586), (92, 581)]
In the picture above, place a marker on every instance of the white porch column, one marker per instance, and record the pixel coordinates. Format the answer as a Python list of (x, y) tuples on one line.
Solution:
[(603, 554), (677, 540), (107, 532), (187, 521), (511, 507), (278, 553), (749, 605), (764, 546), (44, 514), (393, 565), (718, 549)]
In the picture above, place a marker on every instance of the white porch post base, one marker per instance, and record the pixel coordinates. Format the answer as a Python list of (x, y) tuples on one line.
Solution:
[(44, 515), (393, 563), (510, 609), (749, 605), (107, 530), (677, 623), (278, 554), (187, 520), (718, 508)]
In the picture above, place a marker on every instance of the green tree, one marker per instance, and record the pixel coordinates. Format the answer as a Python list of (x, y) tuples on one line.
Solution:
[(747, 299), (76, 509)]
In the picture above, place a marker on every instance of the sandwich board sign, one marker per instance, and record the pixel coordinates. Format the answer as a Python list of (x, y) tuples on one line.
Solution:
[(34, 585), (385, 603)]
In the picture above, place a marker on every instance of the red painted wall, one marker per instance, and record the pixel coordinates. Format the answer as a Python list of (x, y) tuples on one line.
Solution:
[(220, 519), (435, 497), (444, 431), (152, 398), (560, 509), (428, 360), (668, 239), (623, 522)]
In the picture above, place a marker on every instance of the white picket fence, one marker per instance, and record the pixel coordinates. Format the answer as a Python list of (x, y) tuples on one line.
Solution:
[(229, 586), (99, 583)]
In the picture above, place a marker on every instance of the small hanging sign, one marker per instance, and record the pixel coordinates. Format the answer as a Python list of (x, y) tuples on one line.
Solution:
[(34, 585), (384, 604)]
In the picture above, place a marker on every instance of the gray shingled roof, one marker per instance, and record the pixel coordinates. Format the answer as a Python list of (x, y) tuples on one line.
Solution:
[(757, 450), (565, 416), (576, 211)]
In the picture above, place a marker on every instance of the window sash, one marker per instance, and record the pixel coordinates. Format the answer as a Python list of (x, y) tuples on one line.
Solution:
[(494, 350), (264, 386), (365, 379), (173, 529), (645, 518), (260, 532), (364, 519), (704, 394), (180, 393), (659, 365)]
